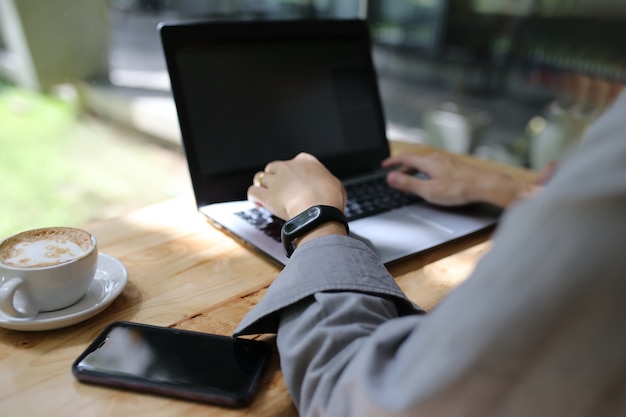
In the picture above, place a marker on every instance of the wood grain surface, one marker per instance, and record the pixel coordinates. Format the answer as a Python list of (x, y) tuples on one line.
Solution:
[(185, 273)]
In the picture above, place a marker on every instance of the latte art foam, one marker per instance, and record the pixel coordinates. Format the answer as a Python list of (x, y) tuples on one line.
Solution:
[(44, 248), (44, 252)]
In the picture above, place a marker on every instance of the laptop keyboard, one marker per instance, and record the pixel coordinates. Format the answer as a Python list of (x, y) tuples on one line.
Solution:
[(364, 199), (372, 197), (264, 221)]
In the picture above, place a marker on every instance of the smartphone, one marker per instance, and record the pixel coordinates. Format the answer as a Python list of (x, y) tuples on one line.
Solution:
[(177, 363)]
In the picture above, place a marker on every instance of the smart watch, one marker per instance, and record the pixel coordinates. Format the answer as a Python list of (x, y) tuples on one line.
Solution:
[(306, 221)]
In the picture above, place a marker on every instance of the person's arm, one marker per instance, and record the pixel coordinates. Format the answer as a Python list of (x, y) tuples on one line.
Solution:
[(332, 295), (454, 180), (536, 330), (286, 188)]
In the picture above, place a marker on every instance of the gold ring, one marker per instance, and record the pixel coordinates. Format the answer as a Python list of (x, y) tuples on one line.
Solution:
[(261, 179)]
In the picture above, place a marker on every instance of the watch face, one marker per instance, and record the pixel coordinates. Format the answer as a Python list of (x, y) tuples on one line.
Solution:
[(301, 219)]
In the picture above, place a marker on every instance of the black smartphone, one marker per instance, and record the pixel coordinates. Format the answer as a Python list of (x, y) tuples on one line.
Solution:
[(178, 363)]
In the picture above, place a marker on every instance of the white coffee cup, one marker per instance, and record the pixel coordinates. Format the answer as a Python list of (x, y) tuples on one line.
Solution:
[(45, 269), (459, 131)]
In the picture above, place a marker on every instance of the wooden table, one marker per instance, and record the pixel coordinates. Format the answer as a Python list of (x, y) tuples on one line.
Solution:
[(183, 273)]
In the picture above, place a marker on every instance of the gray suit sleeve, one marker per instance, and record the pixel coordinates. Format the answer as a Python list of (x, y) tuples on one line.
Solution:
[(536, 330), (328, 264)]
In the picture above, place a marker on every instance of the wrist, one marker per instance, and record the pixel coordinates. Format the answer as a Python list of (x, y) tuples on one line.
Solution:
[(315, 221), (326, 229), (303, 205), (501, 190)]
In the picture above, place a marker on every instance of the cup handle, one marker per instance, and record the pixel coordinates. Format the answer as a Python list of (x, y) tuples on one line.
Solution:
[(8, 291)]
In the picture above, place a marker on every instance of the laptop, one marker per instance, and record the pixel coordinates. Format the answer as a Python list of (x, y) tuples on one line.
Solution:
[(250, 92)]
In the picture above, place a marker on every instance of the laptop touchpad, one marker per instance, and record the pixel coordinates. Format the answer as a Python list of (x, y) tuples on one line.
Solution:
[(400, 232)]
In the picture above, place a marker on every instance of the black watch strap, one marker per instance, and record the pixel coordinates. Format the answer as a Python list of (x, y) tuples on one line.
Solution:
[(308, 220)]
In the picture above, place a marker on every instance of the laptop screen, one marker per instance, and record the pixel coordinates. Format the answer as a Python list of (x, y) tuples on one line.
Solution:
[(248, 93)]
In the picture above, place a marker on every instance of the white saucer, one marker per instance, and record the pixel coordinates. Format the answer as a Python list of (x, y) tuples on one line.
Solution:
[(110, 280)]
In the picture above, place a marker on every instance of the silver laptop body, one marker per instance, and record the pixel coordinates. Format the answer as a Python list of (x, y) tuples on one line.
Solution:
[(251, 92)]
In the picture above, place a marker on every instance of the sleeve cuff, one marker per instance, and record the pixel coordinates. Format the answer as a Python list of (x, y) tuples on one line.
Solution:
[(330, 263)]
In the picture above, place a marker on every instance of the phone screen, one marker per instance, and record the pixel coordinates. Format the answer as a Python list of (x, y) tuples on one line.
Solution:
[(180, 363)]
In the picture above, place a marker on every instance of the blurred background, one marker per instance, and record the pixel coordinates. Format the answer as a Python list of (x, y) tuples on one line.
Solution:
[(88, 127)]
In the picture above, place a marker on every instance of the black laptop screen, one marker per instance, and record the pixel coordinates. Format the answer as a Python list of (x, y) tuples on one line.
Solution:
[(245, 100)]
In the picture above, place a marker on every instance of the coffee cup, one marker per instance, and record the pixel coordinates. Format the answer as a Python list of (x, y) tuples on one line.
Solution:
[(45, 269), (454, 129)]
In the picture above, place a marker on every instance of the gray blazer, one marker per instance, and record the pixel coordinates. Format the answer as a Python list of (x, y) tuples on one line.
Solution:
[(539, 328)]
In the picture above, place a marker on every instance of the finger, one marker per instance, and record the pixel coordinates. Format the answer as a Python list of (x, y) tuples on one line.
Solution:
[(407, 183), (391, 161), (546, 173), (258, 179), (304, 155), (256, 195), (427, 163), (271, 167), (406, 161)]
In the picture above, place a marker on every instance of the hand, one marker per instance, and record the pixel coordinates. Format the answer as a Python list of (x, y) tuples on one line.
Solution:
[(287, 188), (454, 180)]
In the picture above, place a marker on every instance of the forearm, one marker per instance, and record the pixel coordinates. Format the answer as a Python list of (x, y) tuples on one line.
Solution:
[(319, 338), (536, 329), (346, 353)]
